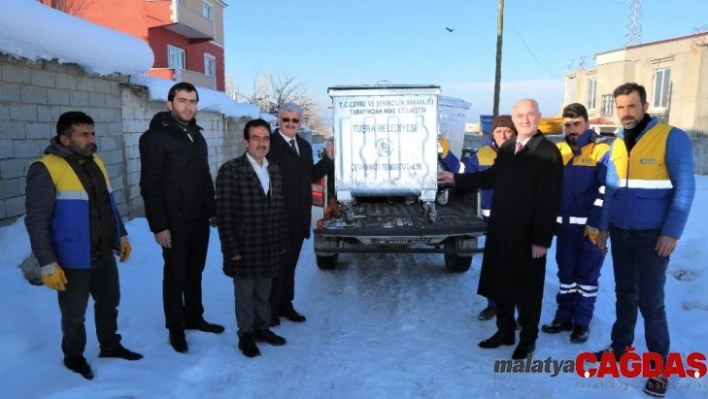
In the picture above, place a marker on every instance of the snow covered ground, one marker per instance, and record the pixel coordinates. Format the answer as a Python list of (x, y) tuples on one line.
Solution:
[(380, 326)]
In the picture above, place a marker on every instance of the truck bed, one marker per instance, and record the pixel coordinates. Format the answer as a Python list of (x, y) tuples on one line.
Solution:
[(391, 217)]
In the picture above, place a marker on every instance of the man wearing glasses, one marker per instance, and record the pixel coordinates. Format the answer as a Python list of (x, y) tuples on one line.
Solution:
[(293, 155)]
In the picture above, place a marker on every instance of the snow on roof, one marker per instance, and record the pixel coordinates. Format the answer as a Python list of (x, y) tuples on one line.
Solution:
[(32, 30), (209, 100)]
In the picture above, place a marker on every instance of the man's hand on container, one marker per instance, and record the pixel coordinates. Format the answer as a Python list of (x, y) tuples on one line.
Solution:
[(445, 177)]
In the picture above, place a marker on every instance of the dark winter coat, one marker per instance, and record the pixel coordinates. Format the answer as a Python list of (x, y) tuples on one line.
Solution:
[(527, 192), (299, 172), (175, 181), (251, 224)]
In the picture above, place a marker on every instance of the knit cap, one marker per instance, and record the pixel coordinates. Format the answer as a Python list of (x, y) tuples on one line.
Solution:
[(503, 121)]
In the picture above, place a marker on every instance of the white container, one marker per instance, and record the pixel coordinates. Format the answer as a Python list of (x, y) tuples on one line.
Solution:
[(385, 140)]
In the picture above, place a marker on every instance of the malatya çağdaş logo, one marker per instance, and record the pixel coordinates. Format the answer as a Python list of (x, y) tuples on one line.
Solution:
[(630, 365)]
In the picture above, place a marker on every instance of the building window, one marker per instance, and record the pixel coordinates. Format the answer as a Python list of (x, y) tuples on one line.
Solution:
[(608, 104), (175, 57), (571, 89), (208, 11), (592, 91), (210, 65), (662, 88)]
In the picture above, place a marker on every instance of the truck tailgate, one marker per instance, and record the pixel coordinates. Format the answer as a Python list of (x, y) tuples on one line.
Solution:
[(396, 219)]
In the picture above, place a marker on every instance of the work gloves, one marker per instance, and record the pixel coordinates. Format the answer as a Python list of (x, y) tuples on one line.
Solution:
[(125, 249), (591, 233), (53, 277)]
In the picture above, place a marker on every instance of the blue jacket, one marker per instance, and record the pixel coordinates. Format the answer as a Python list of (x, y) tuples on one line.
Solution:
[(584, 174), (70, 228), (652, 186)]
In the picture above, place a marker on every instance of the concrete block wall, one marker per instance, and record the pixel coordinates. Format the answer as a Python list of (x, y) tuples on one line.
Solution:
[(34, 94)]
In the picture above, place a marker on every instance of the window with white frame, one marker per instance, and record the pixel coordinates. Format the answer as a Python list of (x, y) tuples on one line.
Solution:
[(210, 65), (608, 105), (662, 88), (176, 57), (592, 92), (571, 89), (208, 11)]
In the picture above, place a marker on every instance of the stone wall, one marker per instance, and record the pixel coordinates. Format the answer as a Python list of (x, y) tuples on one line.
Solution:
[(34, 94)]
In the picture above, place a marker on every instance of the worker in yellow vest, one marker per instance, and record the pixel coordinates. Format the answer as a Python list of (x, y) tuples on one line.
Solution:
[(74, 229)]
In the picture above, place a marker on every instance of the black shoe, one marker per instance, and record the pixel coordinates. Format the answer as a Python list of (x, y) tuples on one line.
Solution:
[(557, 326), (488, 313), (247, 345), (205, 326), (616, 355), (78, 364), (523, 351), (178, 341), (274, 319), (120, 352), (292, 315), (580, 334), (656, 386), (497, 340), (269, 337)]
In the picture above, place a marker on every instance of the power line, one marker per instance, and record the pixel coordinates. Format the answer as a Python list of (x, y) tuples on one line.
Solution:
[(506, 16)]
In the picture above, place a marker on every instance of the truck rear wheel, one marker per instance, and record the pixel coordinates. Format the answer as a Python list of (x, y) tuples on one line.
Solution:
[(327, 262), (456, 263)]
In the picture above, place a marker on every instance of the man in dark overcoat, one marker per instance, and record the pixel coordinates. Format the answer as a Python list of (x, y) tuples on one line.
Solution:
[(178, 192), (251, 212), (526, 177), (293, 155)]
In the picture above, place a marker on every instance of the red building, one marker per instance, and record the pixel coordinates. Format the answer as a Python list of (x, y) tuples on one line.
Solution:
[(186, 36)]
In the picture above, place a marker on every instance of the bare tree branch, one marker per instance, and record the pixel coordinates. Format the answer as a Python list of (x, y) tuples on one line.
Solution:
[(271, 92), (73, 7)]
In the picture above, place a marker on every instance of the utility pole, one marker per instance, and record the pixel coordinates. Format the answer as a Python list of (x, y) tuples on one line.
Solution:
[(497, 74)]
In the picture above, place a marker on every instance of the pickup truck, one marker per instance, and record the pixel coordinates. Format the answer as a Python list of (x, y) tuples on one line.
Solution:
[(386, 163)]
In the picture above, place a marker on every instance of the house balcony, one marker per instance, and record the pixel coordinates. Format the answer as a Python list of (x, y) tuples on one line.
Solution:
[(183, 75), (184, 18)]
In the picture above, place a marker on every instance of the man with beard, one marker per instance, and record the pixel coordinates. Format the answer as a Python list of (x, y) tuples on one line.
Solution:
[(585, 156), (293, 155), (527, 176), (650, 188), (178, 192), (74, 227)]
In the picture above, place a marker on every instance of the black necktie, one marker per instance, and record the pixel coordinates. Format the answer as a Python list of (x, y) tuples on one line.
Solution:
[(292, 144)]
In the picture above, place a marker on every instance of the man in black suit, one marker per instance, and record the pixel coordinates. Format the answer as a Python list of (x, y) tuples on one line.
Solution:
[(178, 192), (527, 177), (293, 155)]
